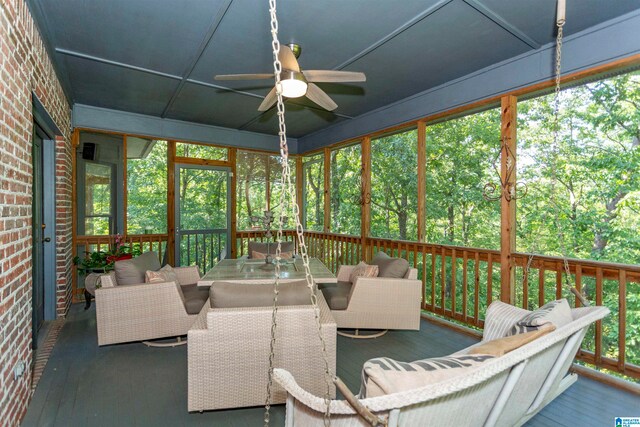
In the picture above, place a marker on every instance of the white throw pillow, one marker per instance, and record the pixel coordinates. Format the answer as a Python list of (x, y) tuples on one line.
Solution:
[(165, 274), (556, 312)]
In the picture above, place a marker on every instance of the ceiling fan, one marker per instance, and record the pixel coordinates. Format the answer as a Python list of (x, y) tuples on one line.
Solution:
[(296, 82)]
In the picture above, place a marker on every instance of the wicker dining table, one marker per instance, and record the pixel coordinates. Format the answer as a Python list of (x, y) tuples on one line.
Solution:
[(257, 271)]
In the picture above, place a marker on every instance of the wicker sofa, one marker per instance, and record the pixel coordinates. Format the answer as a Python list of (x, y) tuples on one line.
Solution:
[(228, 352), (375, 302), (506, 391), (147, 311)]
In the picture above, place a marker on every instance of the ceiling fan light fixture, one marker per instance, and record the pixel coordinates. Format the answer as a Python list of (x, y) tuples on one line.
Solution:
[(292, 84)]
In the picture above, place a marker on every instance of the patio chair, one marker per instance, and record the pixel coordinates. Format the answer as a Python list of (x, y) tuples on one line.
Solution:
[(379, 303), (504, 391), (147, 311)]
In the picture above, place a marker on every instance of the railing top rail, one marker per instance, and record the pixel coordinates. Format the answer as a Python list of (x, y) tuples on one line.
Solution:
[(582, 262)]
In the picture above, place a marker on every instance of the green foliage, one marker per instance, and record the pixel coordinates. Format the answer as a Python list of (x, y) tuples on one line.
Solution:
[(147, 192), (460, 156), (313, 190), (345, 190), (394, 186)]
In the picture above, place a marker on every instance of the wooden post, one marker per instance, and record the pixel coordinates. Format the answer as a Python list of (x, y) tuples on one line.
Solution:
[(508, 206), (365, 213), (422, 178), (171, 202), (327, 190), (125, 226), (233, 250)]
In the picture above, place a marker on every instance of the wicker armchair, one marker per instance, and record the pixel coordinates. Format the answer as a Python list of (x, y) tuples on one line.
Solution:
[(145, 311), (375, 302), (228, 354)]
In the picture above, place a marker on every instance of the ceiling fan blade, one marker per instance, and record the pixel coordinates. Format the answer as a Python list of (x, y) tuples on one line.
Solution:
[(243, 76), (288, 59), (318, 96), (269, 100), (329, 76)]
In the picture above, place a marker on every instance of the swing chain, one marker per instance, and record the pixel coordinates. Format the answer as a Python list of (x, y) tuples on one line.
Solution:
[(286, 202)]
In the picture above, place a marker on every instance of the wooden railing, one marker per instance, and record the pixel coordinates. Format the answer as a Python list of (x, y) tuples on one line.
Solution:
[(459, 283)]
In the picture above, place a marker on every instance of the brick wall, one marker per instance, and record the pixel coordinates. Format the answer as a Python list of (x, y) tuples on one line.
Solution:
[(25, 67)]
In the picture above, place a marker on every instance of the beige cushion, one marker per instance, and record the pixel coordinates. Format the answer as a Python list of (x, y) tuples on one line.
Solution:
[(230, 295), (501, 346), (336, 294), (363, 270), (262, 247), (261, 255), (165, 274), (556, 312), (383, 375), (390, 267), (194, 298), (131, 271)]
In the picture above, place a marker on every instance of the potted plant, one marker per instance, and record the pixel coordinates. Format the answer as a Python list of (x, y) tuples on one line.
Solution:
[(101, 261)]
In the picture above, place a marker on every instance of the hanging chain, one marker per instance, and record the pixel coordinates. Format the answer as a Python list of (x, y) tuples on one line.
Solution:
[(285, 202)]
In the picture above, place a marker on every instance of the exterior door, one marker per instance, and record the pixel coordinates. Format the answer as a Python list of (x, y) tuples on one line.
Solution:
[(38, 236), (203, 220)]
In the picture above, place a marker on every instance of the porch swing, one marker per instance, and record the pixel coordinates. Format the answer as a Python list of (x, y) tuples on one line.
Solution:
[(507, 390)]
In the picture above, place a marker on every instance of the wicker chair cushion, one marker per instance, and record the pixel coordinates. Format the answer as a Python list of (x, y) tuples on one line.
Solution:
[(232, 295), (131, 271), (194, 298), (262, 247), (336, 294), (383, 375), (390, 267)]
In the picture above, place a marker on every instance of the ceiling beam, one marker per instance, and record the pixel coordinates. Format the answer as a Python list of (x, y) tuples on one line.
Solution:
[(500, 21), (419, 17), (203, 46), (116, 63)]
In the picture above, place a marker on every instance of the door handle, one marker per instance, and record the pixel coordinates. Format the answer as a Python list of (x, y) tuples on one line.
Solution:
[(46, 240)]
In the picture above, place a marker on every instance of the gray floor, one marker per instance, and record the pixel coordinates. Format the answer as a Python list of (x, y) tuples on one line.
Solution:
[(132, 385)]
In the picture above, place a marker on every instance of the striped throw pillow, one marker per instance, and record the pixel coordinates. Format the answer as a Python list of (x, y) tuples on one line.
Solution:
[(500, 319), (383, 375), (556, 312), (363, 270)]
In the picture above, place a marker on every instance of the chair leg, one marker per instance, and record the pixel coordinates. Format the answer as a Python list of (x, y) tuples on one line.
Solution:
[(366, 336), (87, 299)]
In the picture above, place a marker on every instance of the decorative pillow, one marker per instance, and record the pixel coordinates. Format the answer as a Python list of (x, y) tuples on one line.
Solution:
[(232, 295), (261, 255), (501, 346), (557, 312), (390, 267), (382, 375), (165, 274), (500, 318), (131, 271), (363, 270)]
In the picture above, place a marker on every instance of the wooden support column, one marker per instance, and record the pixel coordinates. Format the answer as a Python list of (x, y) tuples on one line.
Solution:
[(125, 218), (327, 190), (507, 205), (365, 214), (233, 250), (422, 179), (171, 202)]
